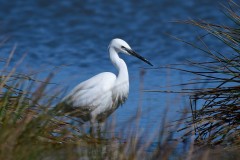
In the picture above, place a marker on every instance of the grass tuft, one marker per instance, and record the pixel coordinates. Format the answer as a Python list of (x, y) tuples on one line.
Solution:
[(216, 106)]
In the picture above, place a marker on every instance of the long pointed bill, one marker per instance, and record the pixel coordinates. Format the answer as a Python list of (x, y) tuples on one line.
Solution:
[(133, 53)]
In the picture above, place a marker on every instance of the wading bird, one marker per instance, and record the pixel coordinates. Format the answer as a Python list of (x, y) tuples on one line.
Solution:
[(96, 98)]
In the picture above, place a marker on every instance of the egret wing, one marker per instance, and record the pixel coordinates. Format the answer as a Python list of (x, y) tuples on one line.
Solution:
[(94, 92)]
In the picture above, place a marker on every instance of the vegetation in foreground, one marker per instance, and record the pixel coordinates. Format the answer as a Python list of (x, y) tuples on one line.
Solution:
[(30, 129), (216, 105)]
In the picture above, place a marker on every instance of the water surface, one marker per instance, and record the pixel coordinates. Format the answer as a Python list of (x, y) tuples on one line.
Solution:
[(77, 34)]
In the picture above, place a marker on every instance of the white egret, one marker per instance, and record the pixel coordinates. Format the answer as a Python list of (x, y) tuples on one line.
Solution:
[(96, 98)]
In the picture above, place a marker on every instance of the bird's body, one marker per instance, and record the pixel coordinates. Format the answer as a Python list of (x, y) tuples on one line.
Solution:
[(96, 98)]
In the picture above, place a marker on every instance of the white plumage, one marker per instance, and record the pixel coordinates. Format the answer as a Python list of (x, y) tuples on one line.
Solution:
[(97, 97)]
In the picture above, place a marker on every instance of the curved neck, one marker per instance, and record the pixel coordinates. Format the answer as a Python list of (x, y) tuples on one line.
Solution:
[(119, 64)]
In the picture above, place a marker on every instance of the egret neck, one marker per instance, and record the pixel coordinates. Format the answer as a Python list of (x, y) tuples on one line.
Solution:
[(122, 78)]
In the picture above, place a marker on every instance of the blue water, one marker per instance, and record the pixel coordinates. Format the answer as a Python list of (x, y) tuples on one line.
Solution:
[(77, 34)]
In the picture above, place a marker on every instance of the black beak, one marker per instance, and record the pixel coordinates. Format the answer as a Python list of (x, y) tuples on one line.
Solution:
[(133, 53)]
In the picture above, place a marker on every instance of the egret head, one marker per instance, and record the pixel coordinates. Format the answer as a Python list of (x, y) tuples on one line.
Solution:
[(121, 46)]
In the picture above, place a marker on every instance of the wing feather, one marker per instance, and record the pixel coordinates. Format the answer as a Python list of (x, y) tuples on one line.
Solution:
[(94, 92)]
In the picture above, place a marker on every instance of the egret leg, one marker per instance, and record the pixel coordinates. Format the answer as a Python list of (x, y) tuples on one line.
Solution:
[(95, 127), (99, 130), (91, 129)]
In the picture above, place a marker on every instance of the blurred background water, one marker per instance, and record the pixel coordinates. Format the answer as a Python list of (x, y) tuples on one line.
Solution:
[(77, 33)]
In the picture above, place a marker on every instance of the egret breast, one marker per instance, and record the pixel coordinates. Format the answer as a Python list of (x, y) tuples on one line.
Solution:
[(111, 100)]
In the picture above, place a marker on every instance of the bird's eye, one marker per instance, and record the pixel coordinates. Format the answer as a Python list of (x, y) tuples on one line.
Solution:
[(123, 47)]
